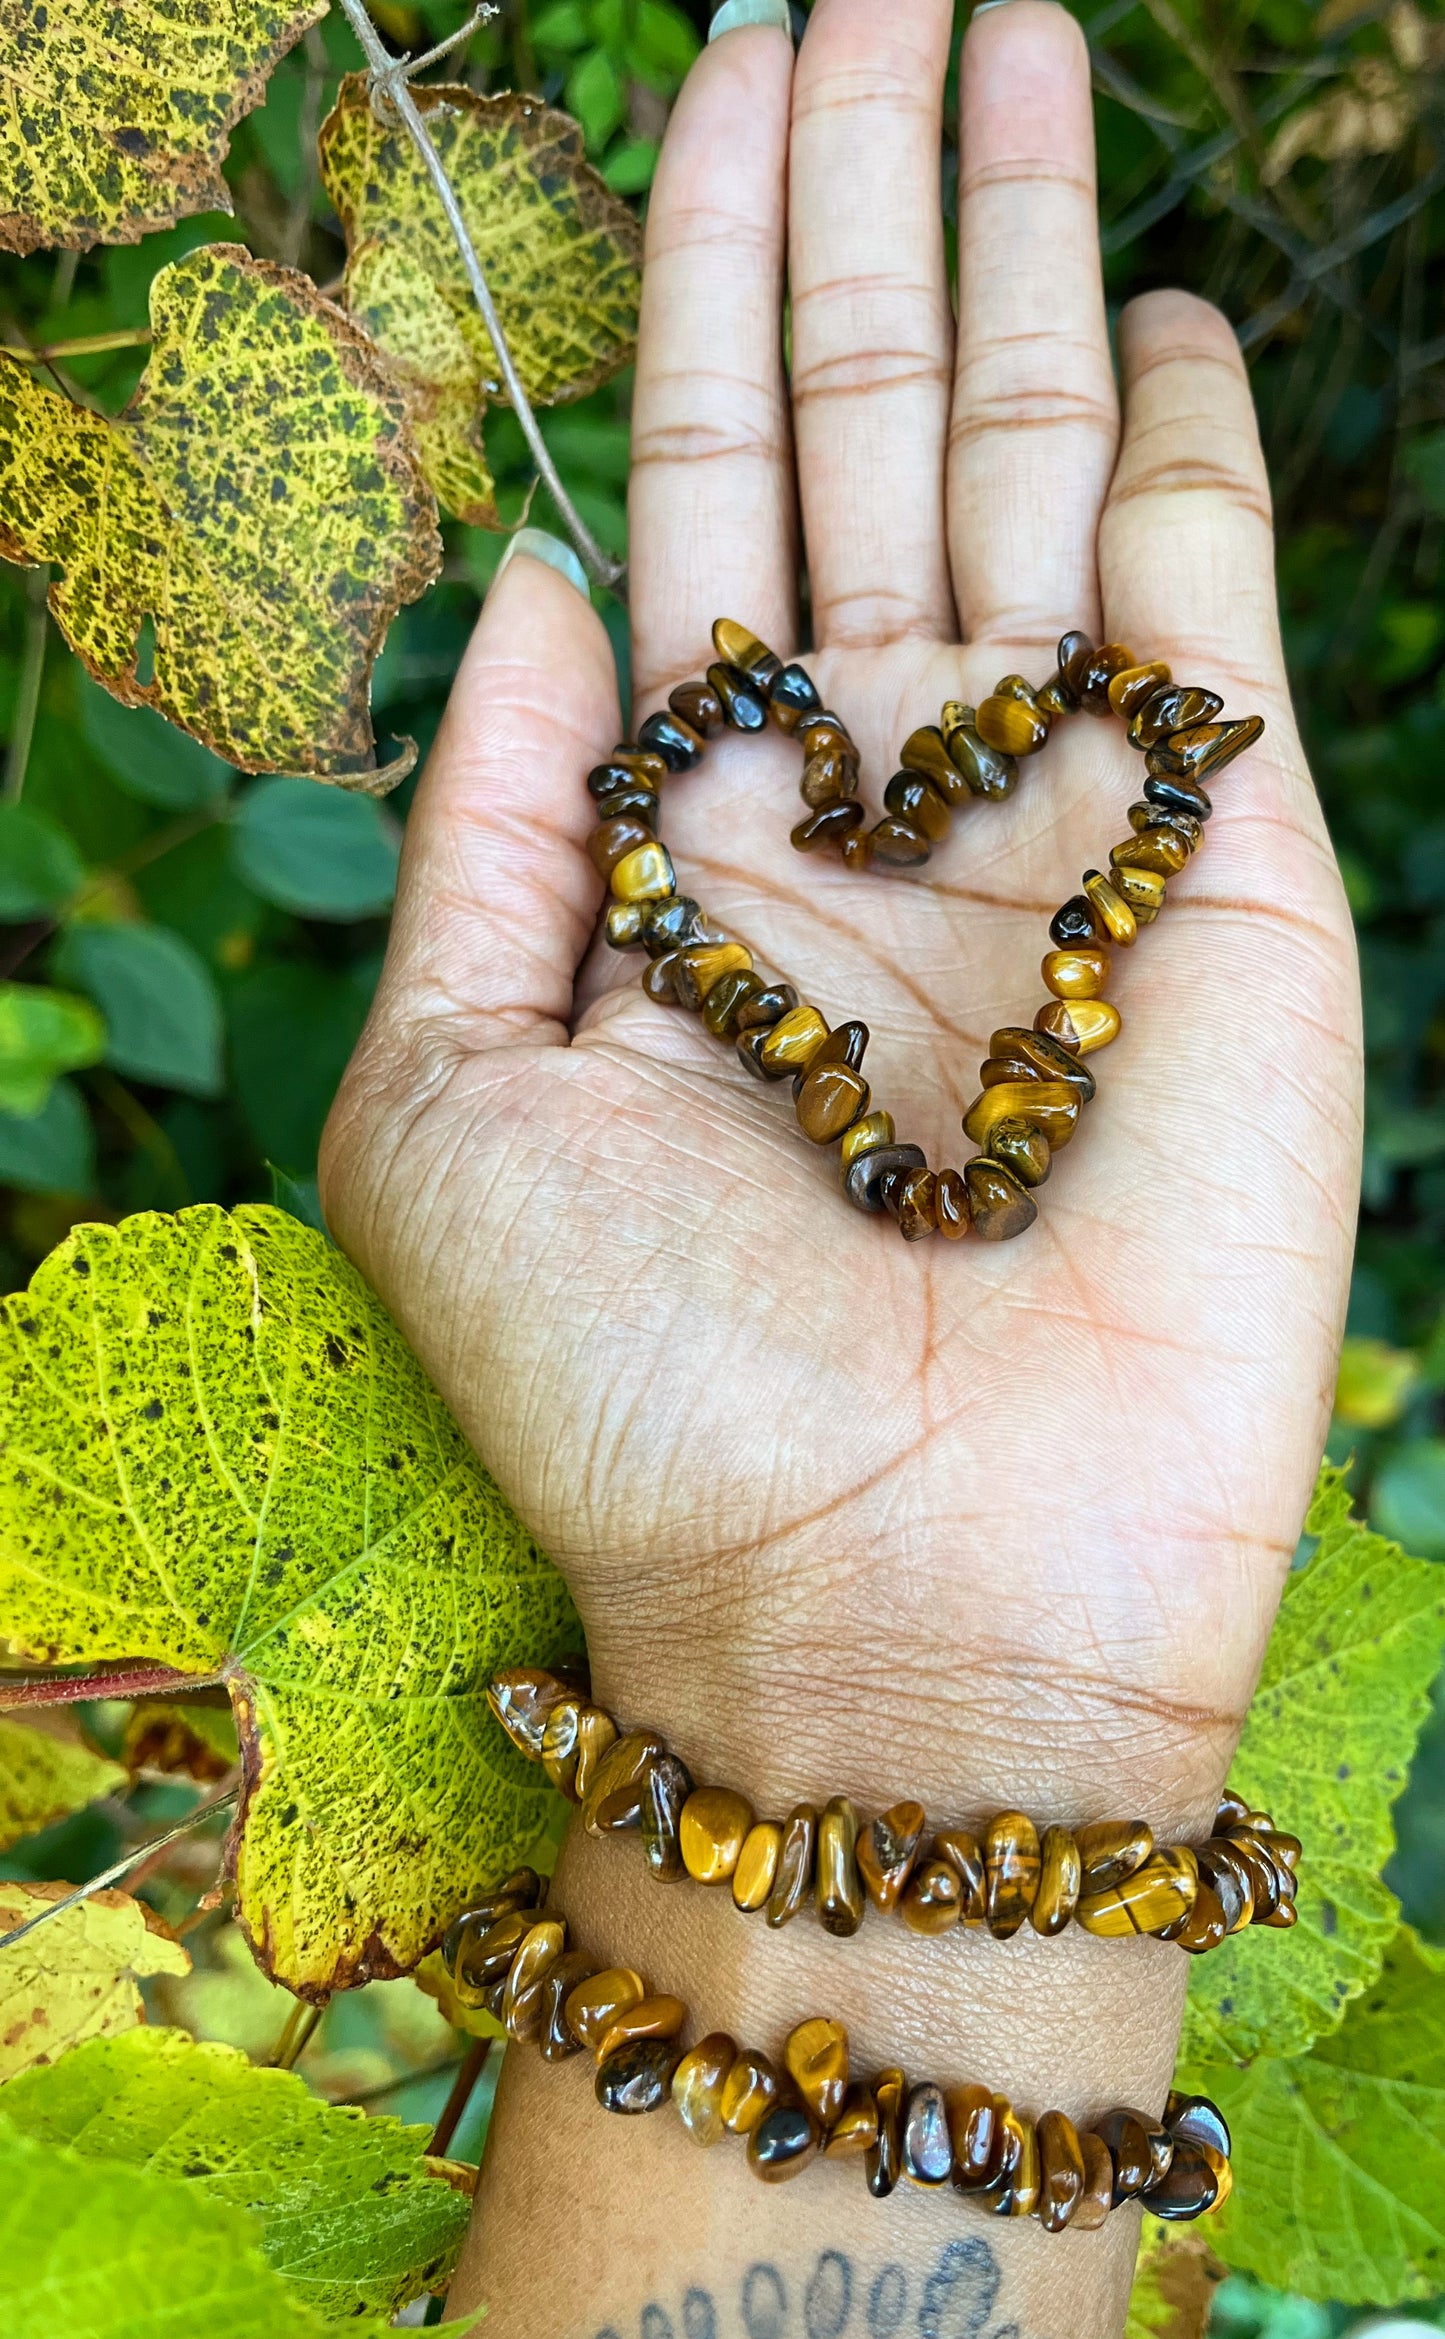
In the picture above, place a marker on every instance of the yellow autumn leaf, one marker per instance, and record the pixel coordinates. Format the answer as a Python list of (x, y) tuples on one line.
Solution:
[(1174, 2283), (433, 1977), (562, 257), (75, 1977), (43, 1779), (115, 121), (256, 514)]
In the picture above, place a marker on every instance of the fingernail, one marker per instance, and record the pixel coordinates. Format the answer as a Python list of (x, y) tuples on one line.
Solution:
[(538, 545), (733, 14), (984, 6)]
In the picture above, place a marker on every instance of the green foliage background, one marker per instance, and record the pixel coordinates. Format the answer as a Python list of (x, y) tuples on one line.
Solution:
[(1288, 162)]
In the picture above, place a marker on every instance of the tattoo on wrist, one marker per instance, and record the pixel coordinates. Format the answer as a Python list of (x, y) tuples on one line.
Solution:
[(838, 2297)]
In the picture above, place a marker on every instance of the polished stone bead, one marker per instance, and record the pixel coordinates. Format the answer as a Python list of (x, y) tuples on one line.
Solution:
[(720, 1007), (1011, 1872), (899, 843), (596, 1733), (827, 778), (1143, 889), (1017, 2193), (659, 978), (1111, 1849), (702, 964), (816, 2059), (963, 1853), (985, 770), (1011, 725), (1286, 1848), (650, 2018), (1040, 1056), (1204, 748), (673, 925), (856, 2128), (1163, 1889), (1060, 1874), (626, 924), (827, 826), (644, 874), (857, 849), (486, 1956), (560, 1744), (1133, 686), (557, 2038), (1092, 676), (1005, 2159), (863, 1178), (1205, 1927), (782, 2144), (872, 1129), (697, 2086), (926, 2151), (1161, 852), (1232, 1809), (738, 646), (637, 2077), (840, 1896), (1230, 1882), (714, 1827), (1177, 796), (614, 1795), (1188, 2187), (1052, 1105), (797, 1859), (972, 2132), (1055, 697), (698, 705), (1113, 910), (749, 1046), (1222, 2173), (1084, 1024), (1175, 708), (666, 1786), (825, 734), (1022, 1147), (1128, 2136), (792, 695), (915, 800), (522, 1890), (1182, 827), (757, 1867), (1097, 2198), (847, 1043), (1076, 974), (1263, 1878), (884, 2164), (1073, 654), (750, 2087), (767, 1007), (1000, 1207), (950, 1196), (1199, 2119), (628, 767), (924, 755), (887, 1851), (595, 2004), (1061, 2171), (537, 1953), (912, 1196), (1076, 925), (830, 1099), (634, 803), (743, 704), (792, 1043), (523, 1696), (933, 1898), (676, 742)]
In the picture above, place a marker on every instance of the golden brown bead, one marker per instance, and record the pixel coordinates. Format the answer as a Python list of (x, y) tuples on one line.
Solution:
[(1052, 1105), (637, 2077), (793, 1042), (697, 2086), (887, 1850), (537, 1953), (950, 1196), (744, 705), (767, 1007), (1230, 1882), (1163, 1889), (1113, 910), (1163, 851), (884, 2163), (1165, 820), (999, 1206), (912, 798), (899, 843), (658, 978), (697, 704), (1061, 2171), (1133, 686), (841, 1903), (1076, 924), (1111, 1849), (1193, 753), (868, 1130), (1021, 1147), (816, 2057), (704, 963), (1076, 974), (666, 1786), (625, 924), (485, 1959), (823, 733), (792, 696), (1190, 2184), (596, 1733), (1206, 1925), (738, 646), (615, 1793), (728, 994), (558, 2040), (1143, 889), (640, 765), (757, 1868), (964, 1853), (913, 1200), (1011, 1872), (1179, 707), (713, 1830), (522, 1697), (856, 2128), (1060, 1876), (827, 777), (972, 2131), (857, 849), (1097, 2198), (1176, 799), (796, 1861), (559, 1745), (933, 1898), (1127, 2136), (650, 2018), (594, 2005), (749, 2088), (1039, 1056), (522, 1890), (866, 1177), (927, 2153), (1197, 2118), (831, 1098), (645, 874), (925, 752), (985, 770), (827, 826), (1011, 726), (1084, 1024), (1092, 676), (782, 2144), (613, 841), (1014, 2190)]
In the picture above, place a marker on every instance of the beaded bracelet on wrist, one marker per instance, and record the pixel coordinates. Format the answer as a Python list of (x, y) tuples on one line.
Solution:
[(507, 1956), (1110, 1877), (1035, 1082)]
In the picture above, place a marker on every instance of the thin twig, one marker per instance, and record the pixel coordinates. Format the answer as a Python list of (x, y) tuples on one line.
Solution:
[(121, 1868), (480, 15), (298, 215), (474, 2063), (389, 83), (398, 2081), (65, 1689), (297, 2035), (32, 674), (88, 345)]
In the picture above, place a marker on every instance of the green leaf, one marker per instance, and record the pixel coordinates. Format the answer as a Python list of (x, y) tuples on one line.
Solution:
[(1342, 1698), (90, 2250), (52, 1151), (594, 95), (1339, 2154), (315, 851), (75, 1977), (216, 1452), (1408, 1495), (43, 1779), (160, 1002), (1424, 461), (350, 2212), (39, 866), (42, 1034), (293, 1027), (256, 515), (149, 757), (117, 124)]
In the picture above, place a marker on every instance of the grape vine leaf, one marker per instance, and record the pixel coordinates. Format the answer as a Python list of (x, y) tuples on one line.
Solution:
[(255, 517), (43, 1779), (116, 120), (75, 1976), (351, 2211), (1343, 1695), (1339, 2154), (561, 255), (1175, 2277), (217, 1454), (42, 1034)]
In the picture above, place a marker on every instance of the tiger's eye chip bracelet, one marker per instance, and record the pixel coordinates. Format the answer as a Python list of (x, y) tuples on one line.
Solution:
[(1034, 1081)]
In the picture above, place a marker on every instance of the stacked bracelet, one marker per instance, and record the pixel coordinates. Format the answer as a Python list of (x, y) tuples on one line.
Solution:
[(507, 1956), (1034, 1082), (1109, 1877)]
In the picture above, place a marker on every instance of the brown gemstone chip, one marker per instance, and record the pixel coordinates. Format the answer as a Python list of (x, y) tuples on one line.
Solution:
[(523, 1697), (782, 2144), (595, 2004), (1177, 707), (558, 2039), (1011, 1872), (864, 1175), (899, 843), (841, 1901), (933, 1898), (637, 2077), (537, 1953), (816, 2058), (1061, 2171), (884, 2163), (1146, 1902), (986, 771), (749, 2088), (737, 645), (1000, 1206), (1097, 2198), (650, 2018), (856, 2128), (927, 2150), (964, 1853), (1112, 1849), (972, 2130), (912, 798), (744, 705), (828, 825), (697, 2086), (757, 1868), (887, 1849), (1126, 2135), (1189, 2186), (615, 1791), (1060, 1876), (831, 1098), (698, 705), (1022, 1147), (912, 1196), (793, 1888), (713, 1829), (1010, 726)]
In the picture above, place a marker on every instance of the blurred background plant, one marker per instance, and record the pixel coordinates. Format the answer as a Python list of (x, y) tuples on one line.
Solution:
[(219, 938)]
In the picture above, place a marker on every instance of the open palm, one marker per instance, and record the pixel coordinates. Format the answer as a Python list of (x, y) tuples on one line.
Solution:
[(808, 1481)]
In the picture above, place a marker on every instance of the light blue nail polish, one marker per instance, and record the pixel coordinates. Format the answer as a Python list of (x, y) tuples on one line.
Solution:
[(539, 545), (984, 6), (733, 14)]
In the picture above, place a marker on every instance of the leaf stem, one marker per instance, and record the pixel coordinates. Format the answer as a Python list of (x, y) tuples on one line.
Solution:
[(64, 1689), (32, 674), (87, 345), (474, 2063), (299, 2030), (121, 1868), (388, 79)]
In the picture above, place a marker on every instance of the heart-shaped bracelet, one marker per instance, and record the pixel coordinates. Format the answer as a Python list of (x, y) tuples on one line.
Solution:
[(1034, 1082)]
